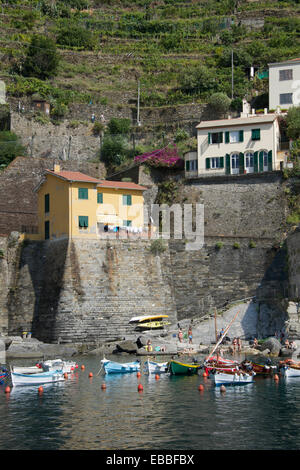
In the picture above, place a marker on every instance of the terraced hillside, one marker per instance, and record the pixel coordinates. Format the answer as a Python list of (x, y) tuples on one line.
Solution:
[(179, 51)]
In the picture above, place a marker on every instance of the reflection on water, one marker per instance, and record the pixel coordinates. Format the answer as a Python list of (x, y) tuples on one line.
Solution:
[(170, 413)]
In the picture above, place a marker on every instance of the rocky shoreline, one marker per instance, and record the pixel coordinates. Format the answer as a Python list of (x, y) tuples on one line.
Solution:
[(25, 348)]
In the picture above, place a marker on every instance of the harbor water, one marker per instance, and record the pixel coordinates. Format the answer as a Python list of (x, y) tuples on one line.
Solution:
[(170, 413)]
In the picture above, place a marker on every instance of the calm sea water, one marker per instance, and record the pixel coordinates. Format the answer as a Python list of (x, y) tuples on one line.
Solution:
[(169, 414)]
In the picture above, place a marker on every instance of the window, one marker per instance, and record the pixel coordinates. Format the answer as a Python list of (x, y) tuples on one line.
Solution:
[(191, 165), (214, 162), (83, 221), (83, 193), (47, 202), (285, 74), (127, 223), (47, 230), (286, 98), (249, 160), (127, 200), (235, 161), (100, 198), (255, 134), (215, 138)]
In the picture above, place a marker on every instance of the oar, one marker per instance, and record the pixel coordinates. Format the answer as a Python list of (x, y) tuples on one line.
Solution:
[(224, 334)]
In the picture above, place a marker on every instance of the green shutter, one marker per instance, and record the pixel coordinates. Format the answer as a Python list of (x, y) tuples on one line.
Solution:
[(255, 158), (208, 138), (241, 163), (270, 161), (226, 137), (241, 136), (220, 138), (100, 198), (227, 169), (83, 221), (255, 134), (221, 162), (187, 165), (127, 200), (83, 193), (47, 202), (207, 161), (261, 161)]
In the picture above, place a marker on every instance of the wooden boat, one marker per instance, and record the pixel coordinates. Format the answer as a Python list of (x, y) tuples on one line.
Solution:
[(263, 369), (150, 322), (291, 371), (219, 363), (36, 379), (27, 370), (233, 378), (180, 368), (58, 364), (156, 367), (112, 367)]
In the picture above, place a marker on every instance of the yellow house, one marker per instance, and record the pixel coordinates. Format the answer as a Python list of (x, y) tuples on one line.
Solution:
[(74, 205)]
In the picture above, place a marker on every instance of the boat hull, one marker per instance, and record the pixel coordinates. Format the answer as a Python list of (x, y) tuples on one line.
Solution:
[(291, 372), (221, 378), (36, 379), (156, 367), (180, 368), (111, 367)]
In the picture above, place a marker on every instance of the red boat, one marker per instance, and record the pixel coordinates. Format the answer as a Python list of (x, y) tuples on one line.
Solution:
[(217, 363)]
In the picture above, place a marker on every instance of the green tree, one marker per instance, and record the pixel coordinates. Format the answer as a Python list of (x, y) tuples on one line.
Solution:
[(199, 81), (293, 123), (119, 126), (42, 58), (113, 150), (76, 36), (10, 148), (219, 103)]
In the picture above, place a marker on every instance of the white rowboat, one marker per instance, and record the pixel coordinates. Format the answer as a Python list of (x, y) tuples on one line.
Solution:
[(156, 367), (36, 379), (233, 378), (27, 370), (58, 364), (291, 372)]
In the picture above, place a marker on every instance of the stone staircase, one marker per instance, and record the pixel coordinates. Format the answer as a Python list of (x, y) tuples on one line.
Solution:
[(103, 285)]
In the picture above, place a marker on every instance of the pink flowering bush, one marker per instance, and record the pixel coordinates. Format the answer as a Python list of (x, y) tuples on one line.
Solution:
[(165, 157)]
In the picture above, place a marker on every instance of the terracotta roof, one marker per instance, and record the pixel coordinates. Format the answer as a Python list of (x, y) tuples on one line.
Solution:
[(120, 185), (73, 176), (256, 119), (77, 176)]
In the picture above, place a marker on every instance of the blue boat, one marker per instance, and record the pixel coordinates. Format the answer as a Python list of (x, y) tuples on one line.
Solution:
[(111, 367)]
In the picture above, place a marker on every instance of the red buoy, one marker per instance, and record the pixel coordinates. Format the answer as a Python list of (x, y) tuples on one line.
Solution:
[(205, 374), (276, 377), (200, 388), (82, 367), (103, 386), (157, 376), (138, 374), (40, 390), (140, 388), (90, 374), (65, 375), (7, 389)]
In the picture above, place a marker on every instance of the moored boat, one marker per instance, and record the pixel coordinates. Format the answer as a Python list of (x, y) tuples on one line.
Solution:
[(27, 370), (263, 369), (59, 364), (180, 368), (291, 371), (112, 367), (152, 367), (234, 378), (36, 379)]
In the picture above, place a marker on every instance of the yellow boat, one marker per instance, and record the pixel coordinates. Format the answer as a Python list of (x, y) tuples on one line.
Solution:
[(149, 322)]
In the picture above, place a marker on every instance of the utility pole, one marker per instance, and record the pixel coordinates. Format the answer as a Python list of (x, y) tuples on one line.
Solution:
[(232, 74), (138, 105)]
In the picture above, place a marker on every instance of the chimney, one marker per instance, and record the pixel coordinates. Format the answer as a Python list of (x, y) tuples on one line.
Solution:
[(56, 168)]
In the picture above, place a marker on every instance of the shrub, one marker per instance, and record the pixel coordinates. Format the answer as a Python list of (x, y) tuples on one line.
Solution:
[(98, 127), (42, 58), (219, 245), (119, 126), (236, 245), (157, 246), (10, 147), (252, 244), (77, 37), (219, 103)]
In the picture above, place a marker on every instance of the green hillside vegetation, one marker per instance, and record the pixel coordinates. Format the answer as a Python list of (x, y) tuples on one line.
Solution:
[(180, 51)]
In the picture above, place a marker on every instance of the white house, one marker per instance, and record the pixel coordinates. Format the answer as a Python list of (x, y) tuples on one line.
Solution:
[(284, 84), (236, 146)]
